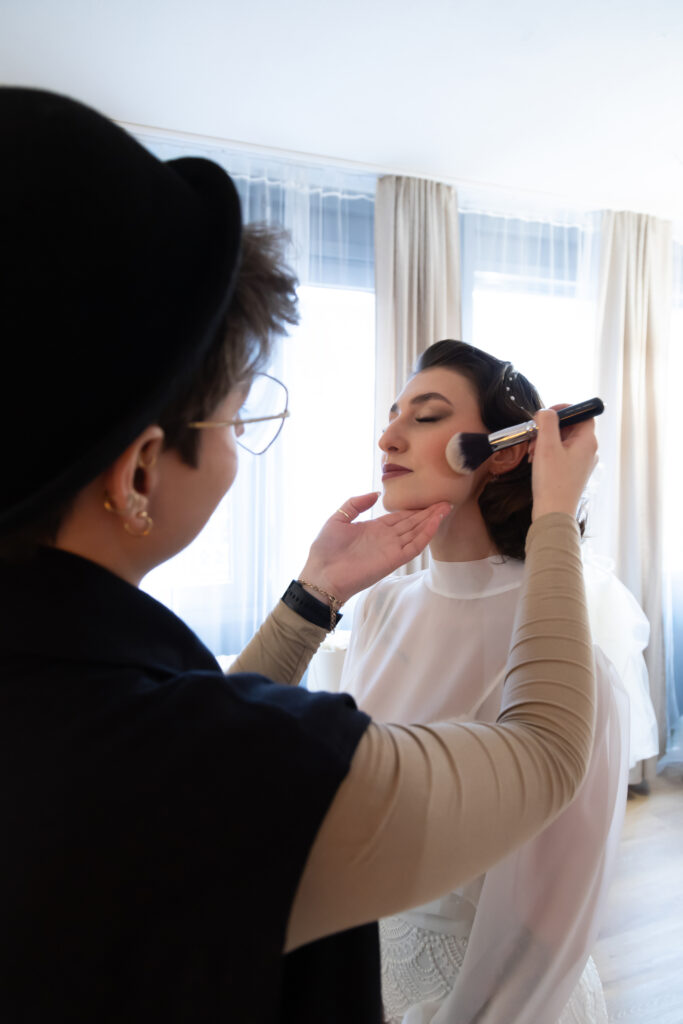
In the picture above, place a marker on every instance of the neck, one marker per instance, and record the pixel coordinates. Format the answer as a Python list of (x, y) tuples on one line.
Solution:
[(462, 536), (100, 537)]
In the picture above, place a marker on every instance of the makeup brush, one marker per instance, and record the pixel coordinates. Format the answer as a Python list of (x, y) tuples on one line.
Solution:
[(466, 452)]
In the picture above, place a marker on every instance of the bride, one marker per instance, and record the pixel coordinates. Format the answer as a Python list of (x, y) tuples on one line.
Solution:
[(511, 947)]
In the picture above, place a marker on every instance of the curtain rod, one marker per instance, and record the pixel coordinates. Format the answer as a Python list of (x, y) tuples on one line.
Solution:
[(506, 192)]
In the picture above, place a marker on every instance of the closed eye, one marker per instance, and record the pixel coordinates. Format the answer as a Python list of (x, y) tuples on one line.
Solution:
[(428, 419)]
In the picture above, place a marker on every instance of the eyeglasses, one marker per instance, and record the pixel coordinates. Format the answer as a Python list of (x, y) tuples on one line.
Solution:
[(261, 417)]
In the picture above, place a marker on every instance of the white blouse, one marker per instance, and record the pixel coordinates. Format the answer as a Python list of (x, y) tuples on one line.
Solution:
[(509, 947)]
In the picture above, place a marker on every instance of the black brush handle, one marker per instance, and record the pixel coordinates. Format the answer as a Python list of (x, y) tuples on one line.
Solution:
[(580, 412)]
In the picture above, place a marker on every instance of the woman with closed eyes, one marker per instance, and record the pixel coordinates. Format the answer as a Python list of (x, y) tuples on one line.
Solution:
[(512, 946)]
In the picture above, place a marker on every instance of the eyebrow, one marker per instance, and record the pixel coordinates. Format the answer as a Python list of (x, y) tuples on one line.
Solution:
[(421, 399)]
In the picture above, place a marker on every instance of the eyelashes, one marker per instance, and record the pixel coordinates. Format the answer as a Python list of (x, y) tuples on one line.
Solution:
[(418, 419)]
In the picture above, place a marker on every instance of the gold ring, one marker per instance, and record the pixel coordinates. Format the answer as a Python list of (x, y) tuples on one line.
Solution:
[(344, 513)]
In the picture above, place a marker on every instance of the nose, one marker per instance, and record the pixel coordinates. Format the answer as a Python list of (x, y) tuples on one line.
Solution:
[(392, 438)]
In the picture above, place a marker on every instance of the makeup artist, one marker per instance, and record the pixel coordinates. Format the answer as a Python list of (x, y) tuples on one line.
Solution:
[(179, 845)]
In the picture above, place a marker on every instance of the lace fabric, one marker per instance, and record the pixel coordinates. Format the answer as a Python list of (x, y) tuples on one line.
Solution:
[(587, 1003), (420, 966)]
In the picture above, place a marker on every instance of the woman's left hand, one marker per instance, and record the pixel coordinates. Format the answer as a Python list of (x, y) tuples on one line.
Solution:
[(347, 557)]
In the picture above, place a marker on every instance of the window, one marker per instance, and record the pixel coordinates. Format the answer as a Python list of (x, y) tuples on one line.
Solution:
[(673, 498), (528, 297), (225, 583)]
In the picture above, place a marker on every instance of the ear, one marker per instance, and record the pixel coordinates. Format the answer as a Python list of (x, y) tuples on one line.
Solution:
[(132, 475), (507, 458)]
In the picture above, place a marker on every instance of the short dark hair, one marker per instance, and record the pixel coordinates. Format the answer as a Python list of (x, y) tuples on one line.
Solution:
[(262, 307), (505, 397)]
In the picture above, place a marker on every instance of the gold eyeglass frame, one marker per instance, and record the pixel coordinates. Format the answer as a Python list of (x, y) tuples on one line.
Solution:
[(205, 424)]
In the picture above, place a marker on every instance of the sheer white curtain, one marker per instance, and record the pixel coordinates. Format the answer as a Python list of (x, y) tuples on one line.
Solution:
[(529, 276), (633, 334), (417, 274), (228, 579), (530, 288), (673, 502), (417, 255)]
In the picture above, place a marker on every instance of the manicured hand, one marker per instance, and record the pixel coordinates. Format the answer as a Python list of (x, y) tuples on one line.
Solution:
[(347, 557), (561, 463)]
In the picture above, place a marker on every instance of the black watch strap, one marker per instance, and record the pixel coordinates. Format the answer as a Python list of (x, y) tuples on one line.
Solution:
[(307, 606)]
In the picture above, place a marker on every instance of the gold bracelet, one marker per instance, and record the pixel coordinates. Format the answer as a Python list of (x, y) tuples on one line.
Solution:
[(335, 603)]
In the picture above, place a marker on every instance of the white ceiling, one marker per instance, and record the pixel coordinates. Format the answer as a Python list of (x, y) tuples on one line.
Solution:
[(582, 101)]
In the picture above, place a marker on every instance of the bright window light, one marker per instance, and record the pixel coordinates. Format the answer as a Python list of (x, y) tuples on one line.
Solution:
[(328, 447), (264, 527), (549, 338)]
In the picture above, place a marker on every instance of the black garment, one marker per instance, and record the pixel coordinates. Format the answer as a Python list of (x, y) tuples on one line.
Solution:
[(156, 818), (100, 240)]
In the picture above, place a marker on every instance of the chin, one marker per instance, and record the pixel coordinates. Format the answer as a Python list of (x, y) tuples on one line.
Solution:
[(394, 503)]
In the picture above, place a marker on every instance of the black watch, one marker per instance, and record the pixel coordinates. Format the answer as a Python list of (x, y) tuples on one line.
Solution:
[(308, 607)]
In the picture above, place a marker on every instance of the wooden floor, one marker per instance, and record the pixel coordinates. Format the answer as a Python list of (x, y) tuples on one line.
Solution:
[(640, 949)]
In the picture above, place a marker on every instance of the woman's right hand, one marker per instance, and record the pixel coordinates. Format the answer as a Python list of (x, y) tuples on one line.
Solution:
[(561, 465)]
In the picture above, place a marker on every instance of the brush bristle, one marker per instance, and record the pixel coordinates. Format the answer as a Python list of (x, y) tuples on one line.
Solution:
[(466, 452)]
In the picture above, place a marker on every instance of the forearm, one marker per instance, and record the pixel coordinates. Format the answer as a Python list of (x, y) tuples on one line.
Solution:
[(282, 648), (425, 808)]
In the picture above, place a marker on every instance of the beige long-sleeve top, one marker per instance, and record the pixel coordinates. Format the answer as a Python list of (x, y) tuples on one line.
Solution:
[(424, 808)]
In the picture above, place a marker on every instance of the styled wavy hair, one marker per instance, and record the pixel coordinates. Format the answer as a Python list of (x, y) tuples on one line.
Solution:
[(505, 397)]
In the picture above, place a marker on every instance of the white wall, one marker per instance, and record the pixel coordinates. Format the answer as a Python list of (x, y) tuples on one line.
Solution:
[(579, 100)]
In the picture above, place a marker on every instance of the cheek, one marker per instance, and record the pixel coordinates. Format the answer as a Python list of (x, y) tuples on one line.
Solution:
[(435, 465), (432, 481), (227, 464), (218, 464), (432, 458)]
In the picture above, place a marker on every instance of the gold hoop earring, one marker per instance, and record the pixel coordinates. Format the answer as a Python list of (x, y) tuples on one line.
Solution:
[(139, 512), (147, 524)]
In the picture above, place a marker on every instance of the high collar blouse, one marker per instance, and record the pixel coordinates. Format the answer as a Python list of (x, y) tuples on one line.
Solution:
[(397, 639)]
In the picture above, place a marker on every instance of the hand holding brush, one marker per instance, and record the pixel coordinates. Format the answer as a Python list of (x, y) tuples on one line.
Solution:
[(466, 452), (561, 466)]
